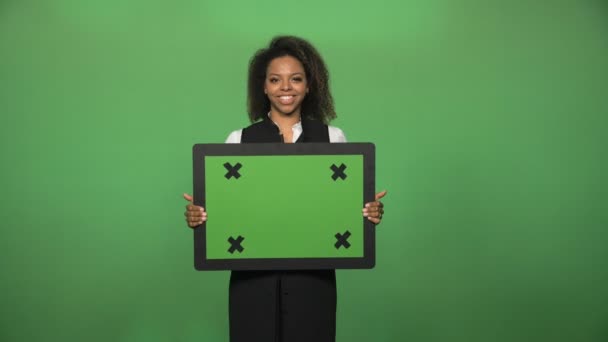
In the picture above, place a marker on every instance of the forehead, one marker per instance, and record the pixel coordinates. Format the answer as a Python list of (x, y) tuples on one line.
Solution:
[(285, 65)]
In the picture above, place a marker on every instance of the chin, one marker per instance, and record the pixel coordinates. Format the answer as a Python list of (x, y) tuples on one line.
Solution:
[(288, 112)]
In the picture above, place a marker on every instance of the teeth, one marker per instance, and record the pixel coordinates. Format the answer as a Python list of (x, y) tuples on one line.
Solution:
[(286, 97)]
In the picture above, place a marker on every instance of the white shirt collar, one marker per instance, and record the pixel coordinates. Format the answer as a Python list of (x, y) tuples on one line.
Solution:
[(296, 129)]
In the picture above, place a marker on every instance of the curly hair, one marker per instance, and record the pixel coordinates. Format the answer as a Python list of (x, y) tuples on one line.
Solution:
[(318, 103)]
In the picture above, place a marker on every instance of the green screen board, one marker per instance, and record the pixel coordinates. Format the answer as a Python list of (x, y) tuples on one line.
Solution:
[(284, 206)]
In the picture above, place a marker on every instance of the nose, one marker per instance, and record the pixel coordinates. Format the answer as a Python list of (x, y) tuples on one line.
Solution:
[(285, 85)]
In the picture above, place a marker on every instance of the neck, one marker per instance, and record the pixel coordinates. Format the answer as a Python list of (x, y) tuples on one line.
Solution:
[(285, 122)]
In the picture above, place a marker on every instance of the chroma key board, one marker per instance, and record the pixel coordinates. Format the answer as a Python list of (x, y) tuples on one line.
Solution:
[(276, 206)]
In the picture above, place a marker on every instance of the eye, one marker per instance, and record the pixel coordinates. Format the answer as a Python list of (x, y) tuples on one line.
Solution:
[(273, 80), (297, 79)]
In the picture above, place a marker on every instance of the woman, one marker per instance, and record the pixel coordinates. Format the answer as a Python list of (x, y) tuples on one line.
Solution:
[(288, 101)]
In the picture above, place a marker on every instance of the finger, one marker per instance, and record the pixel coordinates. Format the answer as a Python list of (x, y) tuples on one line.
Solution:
[(196, 222), (381, 194), (191, 207), (372, 214), (192, 224), (195, 214), (371, 211), (372, 206), (188, 198), (374, 220), (195, 209)]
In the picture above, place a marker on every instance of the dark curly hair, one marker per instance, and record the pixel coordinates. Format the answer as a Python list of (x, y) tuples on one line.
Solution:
[(318, 103)]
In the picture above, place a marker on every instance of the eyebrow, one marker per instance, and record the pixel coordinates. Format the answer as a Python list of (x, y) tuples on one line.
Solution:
[(295, 73)]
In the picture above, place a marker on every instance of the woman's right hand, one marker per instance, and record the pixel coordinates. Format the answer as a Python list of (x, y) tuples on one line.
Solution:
[(195, 215)]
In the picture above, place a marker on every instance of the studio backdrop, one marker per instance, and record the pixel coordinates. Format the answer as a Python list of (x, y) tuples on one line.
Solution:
[(490, 124)]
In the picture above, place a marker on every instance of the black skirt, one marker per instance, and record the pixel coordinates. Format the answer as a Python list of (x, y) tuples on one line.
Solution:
[(282, 306)]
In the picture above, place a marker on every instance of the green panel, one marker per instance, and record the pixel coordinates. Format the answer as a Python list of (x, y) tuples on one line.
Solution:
[(284, 206), (490, 124)]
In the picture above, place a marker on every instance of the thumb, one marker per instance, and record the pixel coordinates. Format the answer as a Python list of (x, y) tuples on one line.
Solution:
[(188, 198), (381, 194)]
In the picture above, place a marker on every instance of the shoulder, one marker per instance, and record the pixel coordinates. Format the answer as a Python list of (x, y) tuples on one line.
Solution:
[(234, 137), (336, 135)]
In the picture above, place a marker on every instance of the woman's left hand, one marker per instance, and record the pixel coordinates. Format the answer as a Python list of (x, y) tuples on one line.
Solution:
[(374, 210)]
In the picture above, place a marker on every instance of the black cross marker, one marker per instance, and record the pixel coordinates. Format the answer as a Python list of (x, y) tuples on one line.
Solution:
[(233, 171), (338, 171), (342, 240), (235, 244)]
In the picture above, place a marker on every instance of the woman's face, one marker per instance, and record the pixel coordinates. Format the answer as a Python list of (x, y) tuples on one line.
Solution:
[(285, 85)]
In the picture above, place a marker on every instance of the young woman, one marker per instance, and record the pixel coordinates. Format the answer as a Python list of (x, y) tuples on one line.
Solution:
[(288, 101)]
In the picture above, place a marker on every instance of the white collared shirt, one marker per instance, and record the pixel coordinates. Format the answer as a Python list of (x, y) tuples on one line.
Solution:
[(335, 134)]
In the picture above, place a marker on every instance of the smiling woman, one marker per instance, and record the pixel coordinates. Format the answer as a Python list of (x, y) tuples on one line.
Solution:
[(288, 101), (285, 86), (295, 57)]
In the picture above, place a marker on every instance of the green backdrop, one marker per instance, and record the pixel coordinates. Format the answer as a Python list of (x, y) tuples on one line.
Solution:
[(489, 119)]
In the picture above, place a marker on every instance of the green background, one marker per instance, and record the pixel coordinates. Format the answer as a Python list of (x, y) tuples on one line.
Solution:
[(489, 119), (286, 231)]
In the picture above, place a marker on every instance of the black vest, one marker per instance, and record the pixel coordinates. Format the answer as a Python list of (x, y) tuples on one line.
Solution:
[(266, 131), (283, 306)]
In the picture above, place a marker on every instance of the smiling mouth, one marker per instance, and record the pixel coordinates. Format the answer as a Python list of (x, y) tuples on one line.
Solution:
[(287, 99)]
